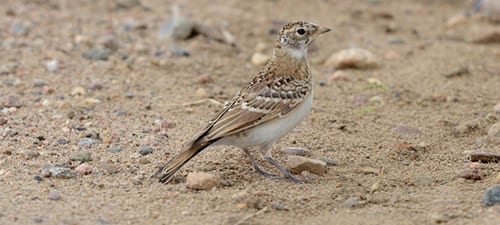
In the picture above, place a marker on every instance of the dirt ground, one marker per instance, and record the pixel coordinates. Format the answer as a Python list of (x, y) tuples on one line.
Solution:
[(400, 140)]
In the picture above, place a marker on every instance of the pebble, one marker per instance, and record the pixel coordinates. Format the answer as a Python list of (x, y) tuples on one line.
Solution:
[(39, 83), (297, 164), (205, 79), (29, 154), (201, 181), (353, 58), (127, 4), (109, 42), (19, 29), (391, 55), (329, 162), (38, 178), (351, 202), (145, 150), (178, 51), (279, 206), (144, 161), (77, 91), (97, 54), (37, 219), (492, 195), (61, 141), (60, 172), (484, 156), (259, 59), (88, 141), (201, 92), (406, 130), (84, 169), (295, 151), (110, 169), (52, 65), (472, 174), (80, 156), (114, 149), (54, 195)]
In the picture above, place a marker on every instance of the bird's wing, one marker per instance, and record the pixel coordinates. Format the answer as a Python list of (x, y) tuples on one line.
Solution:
[(259, 102)]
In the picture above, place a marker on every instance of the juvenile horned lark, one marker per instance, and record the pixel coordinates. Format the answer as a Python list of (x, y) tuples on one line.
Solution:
[(268, 107)]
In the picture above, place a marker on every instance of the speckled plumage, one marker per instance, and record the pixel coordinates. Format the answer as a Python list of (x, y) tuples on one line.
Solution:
[(267, 108)]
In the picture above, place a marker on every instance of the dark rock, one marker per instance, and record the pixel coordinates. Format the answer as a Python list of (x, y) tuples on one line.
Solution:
[(97, 54), (484, 156), (38, 178), (492, 195), (145, 150)]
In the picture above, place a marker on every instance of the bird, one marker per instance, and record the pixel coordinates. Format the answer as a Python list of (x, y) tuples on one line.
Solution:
[(274, 102)]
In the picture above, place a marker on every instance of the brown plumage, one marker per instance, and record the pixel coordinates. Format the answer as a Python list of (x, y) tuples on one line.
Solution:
[(277, 99)]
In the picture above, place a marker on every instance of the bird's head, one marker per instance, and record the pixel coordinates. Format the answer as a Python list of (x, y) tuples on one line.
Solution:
[(299, 35)]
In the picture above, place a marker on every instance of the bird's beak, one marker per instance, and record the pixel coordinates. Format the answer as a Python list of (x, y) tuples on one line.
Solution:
[(322, 30)]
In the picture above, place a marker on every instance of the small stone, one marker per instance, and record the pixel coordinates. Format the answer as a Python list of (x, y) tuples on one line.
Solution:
[(37, 219), (484, 156), (88, 141), (81, 156), (54, 195), (472, 174), (396, 41), (77, 91), (60, 172), (19, 29), (39, 83), (114, 149), (145, 150), (45, 173), (201, 93), (144, 161), (205, 79), (84, 169), (127, 4), (353, 58), (201, 181), (492, 196), (351, 202), (297, 164), (165, 124), (29, 154), (98, 54), (38, 178), (259, 59), (424, 181), (406, 130), (52, 65), (61, 141), (178, 51), (329, 162), (338, 75), (8, 68), (295, 151), (261, 47), (279, 206)]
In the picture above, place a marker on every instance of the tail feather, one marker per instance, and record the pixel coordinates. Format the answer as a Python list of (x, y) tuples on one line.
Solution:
[(171, 167)]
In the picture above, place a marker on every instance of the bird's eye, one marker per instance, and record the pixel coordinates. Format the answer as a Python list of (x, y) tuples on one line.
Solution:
[(301, 31)]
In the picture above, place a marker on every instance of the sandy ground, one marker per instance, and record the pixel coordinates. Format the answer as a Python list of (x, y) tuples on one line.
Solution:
[(136, 98)]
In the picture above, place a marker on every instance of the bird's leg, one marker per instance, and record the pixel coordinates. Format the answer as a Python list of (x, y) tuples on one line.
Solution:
[(284, 171), (257, 167)]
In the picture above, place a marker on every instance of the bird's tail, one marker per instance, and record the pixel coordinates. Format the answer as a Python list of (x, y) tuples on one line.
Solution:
[(170, 168)]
